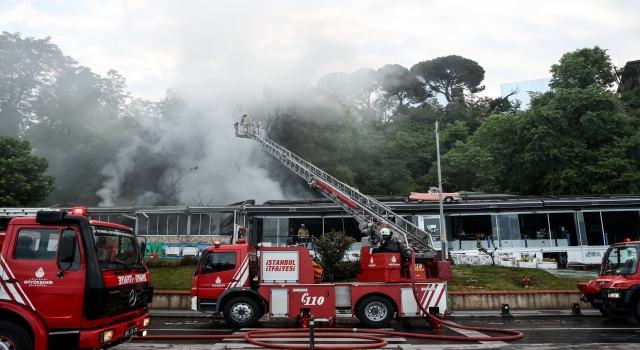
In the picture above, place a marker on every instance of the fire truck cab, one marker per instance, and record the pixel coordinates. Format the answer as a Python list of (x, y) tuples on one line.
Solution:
[(616, 291), (280, 283), (70, 283)]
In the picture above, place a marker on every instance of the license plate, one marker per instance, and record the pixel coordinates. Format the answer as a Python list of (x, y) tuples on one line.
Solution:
[(130, 332), (597, 301)]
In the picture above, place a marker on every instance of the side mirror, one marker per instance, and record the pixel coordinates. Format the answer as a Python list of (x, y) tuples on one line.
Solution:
[(67, 251)]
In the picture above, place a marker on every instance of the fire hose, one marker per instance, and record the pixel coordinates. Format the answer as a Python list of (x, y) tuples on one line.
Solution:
[(350, 332)]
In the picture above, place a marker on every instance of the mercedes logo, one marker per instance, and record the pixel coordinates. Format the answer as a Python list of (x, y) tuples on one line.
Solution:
[(132, 297)]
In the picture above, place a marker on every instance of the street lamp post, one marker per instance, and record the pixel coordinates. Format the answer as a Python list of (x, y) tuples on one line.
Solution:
[(443, 231)]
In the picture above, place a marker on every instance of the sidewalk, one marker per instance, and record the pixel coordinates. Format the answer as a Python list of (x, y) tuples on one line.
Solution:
[(453, 315)]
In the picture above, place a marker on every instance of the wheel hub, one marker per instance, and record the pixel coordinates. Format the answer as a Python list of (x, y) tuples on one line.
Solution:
[(376, 311), (6, 344), (241, 312)]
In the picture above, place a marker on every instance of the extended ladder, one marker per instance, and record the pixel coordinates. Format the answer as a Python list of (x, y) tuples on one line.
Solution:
[(21, 212), (370, 213)]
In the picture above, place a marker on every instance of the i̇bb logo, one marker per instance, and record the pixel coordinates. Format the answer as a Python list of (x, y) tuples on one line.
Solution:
[(309, 300)]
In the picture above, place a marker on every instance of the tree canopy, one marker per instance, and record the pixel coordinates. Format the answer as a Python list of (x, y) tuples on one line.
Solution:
[(445, 74), (371, 128), (583, 67), (22, 179)]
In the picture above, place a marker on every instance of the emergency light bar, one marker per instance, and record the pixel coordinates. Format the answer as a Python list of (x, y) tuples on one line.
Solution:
[(82, 211)]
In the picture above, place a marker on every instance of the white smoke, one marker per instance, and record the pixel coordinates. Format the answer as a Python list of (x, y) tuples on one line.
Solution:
[(217, 167)]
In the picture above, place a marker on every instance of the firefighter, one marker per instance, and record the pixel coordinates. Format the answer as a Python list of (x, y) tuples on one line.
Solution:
[(245, 123), (303, 235), (388, 244)]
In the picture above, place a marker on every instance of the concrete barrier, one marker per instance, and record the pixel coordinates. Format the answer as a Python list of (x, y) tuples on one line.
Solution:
[(458, 301), (171, 300), (517, 300)]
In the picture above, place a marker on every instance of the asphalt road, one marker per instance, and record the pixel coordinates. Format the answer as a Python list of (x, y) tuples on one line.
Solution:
[(541, 331)]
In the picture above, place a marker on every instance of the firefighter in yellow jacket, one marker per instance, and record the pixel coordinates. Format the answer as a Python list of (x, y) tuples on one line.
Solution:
[(303, 235)]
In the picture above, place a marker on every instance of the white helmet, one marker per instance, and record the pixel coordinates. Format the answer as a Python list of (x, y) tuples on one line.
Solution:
[(385, 232)]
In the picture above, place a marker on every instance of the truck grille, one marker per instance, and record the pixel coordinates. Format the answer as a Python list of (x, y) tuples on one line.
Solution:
[(127, 298)]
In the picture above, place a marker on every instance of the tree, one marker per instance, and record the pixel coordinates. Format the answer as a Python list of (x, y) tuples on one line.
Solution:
[(399, 84), (332, 248), (582, 68), (28, 67), (445, 74), (22, 179)]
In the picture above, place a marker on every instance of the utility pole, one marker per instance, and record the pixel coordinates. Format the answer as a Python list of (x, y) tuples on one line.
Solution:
[(443, 231)]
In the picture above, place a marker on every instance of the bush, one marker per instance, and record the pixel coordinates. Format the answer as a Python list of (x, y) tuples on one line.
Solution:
[(347, 271), (185, 261), (331, 248)]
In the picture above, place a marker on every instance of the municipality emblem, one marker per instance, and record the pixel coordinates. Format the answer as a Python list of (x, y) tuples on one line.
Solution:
[(40, 273)]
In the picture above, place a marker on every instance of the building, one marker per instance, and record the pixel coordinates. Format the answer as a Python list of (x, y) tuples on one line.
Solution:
[(523, 90), (567, 228)]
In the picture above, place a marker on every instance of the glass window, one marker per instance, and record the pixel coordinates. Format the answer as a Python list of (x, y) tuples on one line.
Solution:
[(214, 224), (563, 225), (115, 248), (75, 265), (621, 260), (593, 227), (194, 229), (36, 244), (620, 225), (226, 224), (217, 262), (534, 226), (143, 225)]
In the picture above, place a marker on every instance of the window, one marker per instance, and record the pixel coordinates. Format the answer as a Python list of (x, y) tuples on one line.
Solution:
[(34, 244), (217, 262)]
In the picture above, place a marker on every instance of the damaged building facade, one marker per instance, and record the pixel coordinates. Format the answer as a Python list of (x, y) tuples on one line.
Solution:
[(575, 228)]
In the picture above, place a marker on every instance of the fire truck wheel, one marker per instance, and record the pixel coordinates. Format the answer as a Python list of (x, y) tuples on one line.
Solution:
[(241, 312), (13, 337), (616, 314), (375, 312), (635, 309)]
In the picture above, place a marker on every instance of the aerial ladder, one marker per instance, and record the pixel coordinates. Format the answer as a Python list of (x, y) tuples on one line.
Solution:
[(371, 214)]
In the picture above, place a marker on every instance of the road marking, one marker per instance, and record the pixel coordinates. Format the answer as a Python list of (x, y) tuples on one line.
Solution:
[(469, 333)]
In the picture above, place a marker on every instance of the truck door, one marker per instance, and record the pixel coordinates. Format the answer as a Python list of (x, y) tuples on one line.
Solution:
[(34, 262), (219, 271)]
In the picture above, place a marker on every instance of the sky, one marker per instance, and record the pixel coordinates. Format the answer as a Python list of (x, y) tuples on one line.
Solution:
[(159, 44)]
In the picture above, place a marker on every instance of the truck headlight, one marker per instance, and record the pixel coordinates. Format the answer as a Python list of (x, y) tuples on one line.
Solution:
[(106, 336), (146, 322), (614, 295)]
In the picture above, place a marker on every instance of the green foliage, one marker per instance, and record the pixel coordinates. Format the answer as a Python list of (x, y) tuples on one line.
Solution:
[(22, 179), (172, 278), (185, 261), (332, 248), (583, 68), (444, 74), (491, 277)]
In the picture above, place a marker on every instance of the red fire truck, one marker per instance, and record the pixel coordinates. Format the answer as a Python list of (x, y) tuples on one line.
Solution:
[(230, 278), (616, 291), (280, 283), (68, 282)]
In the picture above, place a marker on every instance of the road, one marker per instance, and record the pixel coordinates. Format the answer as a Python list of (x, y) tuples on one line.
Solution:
[(541, 331)]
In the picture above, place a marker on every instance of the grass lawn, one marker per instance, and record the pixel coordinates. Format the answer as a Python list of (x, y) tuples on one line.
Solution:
[(465, 278), (172, 278), (481, 278)]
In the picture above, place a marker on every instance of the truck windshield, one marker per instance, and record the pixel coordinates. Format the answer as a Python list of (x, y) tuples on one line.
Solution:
[(117, 249), (620, 260)]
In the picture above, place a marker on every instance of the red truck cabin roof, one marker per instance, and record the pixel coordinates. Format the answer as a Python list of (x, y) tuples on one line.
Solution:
[(31, 220)]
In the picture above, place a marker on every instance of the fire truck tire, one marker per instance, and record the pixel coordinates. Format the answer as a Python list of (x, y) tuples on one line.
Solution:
[(15, 337), (635, 309), (375, 312), (241, 312), (616, 314), (448, 199)]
